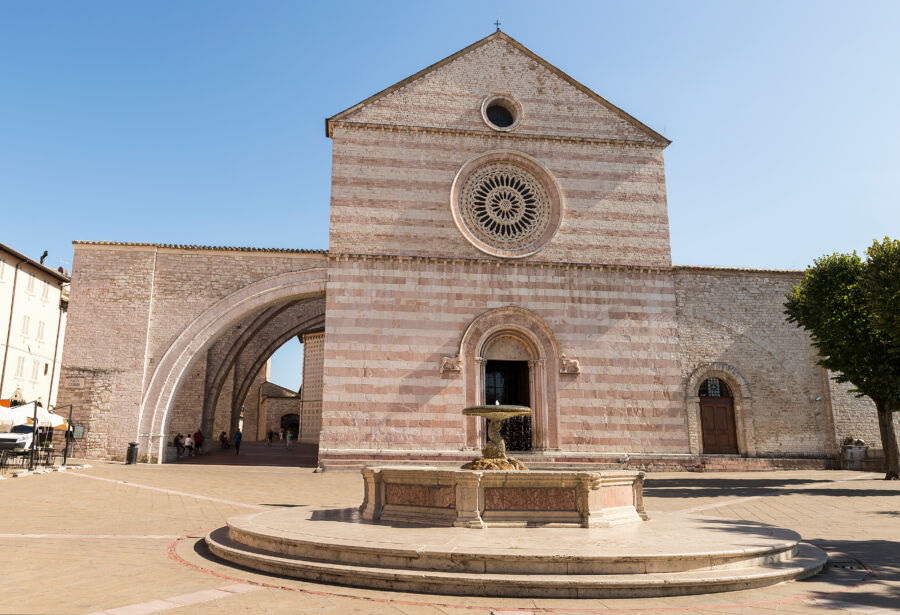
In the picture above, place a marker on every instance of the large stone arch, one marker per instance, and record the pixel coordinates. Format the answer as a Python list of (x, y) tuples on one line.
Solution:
[(159, 399), (530, 330), (223, 354), (245, 379), (246, 351), (743, 405)]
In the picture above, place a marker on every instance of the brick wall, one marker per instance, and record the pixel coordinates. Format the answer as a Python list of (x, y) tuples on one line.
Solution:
[(736, 318), (390, 194), (103, 357), (389, 322), (127, 304), (311, 391)]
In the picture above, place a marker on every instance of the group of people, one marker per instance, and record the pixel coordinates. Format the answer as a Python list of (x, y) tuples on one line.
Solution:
[(188, 445), (192, 445), (283, 436)]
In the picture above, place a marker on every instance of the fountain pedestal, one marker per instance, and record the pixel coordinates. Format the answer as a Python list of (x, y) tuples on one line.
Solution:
[(497, 498)]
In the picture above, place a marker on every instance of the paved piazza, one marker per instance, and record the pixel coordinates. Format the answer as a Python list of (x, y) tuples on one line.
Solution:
[(128, 540)]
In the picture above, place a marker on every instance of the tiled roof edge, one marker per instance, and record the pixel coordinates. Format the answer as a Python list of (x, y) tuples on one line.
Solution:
[(727, 269), (198, 247)]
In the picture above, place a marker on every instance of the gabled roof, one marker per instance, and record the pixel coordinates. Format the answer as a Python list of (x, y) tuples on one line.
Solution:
[(498, 35)]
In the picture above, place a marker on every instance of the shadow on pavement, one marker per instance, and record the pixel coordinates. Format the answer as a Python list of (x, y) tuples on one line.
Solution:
[(688, 487), (259, 454)]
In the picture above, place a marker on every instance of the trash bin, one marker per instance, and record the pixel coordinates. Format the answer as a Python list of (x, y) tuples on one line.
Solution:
[(131, 455)]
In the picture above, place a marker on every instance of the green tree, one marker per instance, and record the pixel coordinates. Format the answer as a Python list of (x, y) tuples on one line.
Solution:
[(846, 305), (881, 283)]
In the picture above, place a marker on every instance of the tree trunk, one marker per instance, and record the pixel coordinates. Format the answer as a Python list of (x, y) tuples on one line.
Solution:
[(888, 440)]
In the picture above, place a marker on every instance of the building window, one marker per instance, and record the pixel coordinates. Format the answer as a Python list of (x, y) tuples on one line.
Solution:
[(46, 291), (501, 112), (26, 323), (20, 367), (35, 367), (30, 283), (2, 268), (713, 387), (40, 332)]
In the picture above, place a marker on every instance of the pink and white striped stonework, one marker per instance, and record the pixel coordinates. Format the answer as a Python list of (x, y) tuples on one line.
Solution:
[(406, 312)]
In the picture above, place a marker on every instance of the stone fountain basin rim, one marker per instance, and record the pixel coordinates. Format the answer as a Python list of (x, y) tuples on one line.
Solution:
[(547, 473), (497, 412)]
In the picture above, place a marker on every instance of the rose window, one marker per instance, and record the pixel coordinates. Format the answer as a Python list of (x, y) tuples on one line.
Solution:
[(505, 206)]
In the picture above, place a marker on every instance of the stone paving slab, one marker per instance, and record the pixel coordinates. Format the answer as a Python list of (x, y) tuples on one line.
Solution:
[(105, 545)]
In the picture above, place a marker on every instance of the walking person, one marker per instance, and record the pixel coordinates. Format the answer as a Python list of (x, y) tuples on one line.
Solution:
[(287, 438), (238, 436), (198, 442), (270, 435), (179, 446), (189, 445)]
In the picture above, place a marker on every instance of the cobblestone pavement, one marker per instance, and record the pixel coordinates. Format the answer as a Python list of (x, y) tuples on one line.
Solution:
[(127, 540)]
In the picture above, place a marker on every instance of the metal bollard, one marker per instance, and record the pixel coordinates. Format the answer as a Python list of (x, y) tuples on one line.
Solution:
[(132, 454)]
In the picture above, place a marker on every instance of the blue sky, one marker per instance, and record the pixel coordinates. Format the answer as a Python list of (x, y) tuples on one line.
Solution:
[(202, 122)]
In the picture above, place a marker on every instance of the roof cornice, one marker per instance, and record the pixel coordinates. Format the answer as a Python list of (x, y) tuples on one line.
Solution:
[(512, 136)]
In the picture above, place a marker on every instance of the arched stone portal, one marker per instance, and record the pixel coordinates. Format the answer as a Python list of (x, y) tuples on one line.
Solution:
[(199, 335), (515, 332), (742, 405)]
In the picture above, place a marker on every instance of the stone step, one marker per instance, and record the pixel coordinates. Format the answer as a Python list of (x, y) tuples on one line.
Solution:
[(245, 531), (808, 561)]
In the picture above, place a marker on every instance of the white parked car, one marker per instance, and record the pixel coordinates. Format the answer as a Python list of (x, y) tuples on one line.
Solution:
[(19, 438)]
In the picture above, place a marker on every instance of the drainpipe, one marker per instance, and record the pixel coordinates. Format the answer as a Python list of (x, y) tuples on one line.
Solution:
[(55, 347), (12, 305)]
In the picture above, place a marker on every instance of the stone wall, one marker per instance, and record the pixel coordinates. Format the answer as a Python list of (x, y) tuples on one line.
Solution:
[(311, 391), (856, 417), (735, 319), (390, 194), (389, 323), (128, 303), (395, 158), (189, 404), (104, 354)]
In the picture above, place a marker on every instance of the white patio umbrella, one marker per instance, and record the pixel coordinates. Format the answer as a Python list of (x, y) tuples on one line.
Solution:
[(24, 415), (18, 415)]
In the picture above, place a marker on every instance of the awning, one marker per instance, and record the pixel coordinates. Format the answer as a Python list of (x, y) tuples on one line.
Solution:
[(24, 415)]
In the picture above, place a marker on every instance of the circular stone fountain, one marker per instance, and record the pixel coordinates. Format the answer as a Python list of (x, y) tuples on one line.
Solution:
[(413, 532)]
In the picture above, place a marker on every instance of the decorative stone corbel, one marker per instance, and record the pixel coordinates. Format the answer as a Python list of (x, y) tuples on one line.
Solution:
[(451, 364), (569, 366)]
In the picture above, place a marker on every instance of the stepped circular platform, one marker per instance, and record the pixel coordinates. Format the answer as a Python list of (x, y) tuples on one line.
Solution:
[(670, 555)]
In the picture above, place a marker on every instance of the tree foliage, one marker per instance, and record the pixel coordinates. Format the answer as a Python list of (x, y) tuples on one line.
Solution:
[(881, 285), (850, 309)]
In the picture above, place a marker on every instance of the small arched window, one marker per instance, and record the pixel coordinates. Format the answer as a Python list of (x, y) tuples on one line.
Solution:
[(713, 387)]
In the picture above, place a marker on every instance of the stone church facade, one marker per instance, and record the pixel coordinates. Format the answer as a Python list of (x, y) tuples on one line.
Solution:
[(498, 233)]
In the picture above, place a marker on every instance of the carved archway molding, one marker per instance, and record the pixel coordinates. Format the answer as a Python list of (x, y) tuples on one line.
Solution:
[(175, 364), (743, 405), (538, 338)]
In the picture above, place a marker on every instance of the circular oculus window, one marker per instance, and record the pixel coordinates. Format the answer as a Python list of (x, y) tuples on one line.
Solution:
[(501, 112), (506, 204)]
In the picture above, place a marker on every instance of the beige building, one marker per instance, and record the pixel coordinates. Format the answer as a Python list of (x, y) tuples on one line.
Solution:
[(499, 232), (33, 304)]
